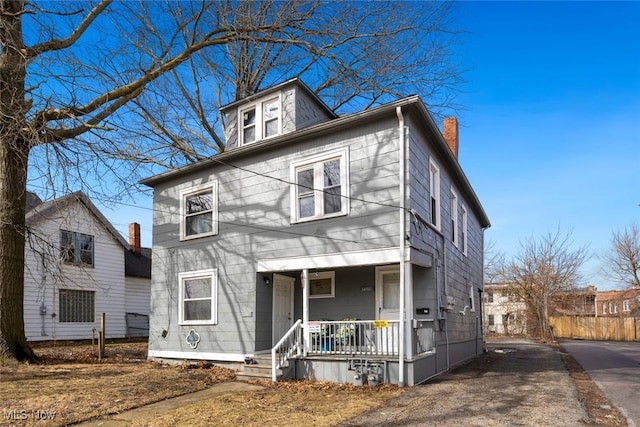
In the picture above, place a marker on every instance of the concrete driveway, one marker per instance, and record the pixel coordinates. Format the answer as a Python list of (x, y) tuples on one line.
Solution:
[(615, 368)]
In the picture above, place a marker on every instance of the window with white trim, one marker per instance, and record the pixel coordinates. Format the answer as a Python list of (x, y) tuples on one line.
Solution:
[(463, 236), (260, 120), (198, 297), (472, 301), (454, 217), (434, 193), (76, 248), (322, 284), (76, 306), (626, 305), (320, 186), (199, 211)]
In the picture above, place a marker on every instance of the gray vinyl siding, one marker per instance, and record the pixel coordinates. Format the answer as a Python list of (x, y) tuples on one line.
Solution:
[(254, 215)]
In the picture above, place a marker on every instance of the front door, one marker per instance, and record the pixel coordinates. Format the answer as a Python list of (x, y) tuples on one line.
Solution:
[(282, 306), (387, 307)]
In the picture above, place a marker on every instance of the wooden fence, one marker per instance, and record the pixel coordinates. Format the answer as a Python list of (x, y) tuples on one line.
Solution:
[(596, 328)]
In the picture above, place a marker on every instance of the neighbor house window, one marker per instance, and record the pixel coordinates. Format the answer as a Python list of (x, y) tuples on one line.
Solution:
[(434, 193), (76, 248), (260, 120), (604, 308), (454, 217), (491, 320), (322, 284), (76, 306), (198, 297), (199, 211), (320, 186), (626, 305), (489, 296), (463, 236)]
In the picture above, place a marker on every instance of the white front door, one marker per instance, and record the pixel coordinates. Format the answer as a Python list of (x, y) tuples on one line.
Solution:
[(387, 306), (282, 305)]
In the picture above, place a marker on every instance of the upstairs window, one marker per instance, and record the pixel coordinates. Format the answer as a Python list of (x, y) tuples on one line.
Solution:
[(199, 212), (434, 193), (626, 305), (463, 236), (320, 187), (454, 218), (260, 120), (76, 248)]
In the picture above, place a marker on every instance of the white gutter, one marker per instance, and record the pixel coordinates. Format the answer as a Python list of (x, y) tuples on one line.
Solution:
[(401, 338)]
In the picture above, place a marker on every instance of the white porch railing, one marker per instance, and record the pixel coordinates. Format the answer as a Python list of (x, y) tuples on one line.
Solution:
[(351, 337), (290, 344)]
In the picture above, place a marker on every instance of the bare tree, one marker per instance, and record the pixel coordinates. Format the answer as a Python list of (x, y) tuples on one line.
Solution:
[(622, 262), (540, 271), (494, 261), (96, 89)]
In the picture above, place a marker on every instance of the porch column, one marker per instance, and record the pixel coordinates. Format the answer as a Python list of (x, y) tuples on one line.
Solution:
[(304, 278)]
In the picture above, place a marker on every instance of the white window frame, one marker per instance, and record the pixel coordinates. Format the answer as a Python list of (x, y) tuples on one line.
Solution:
[(434, 194), (464, 240), (260, 119), (76, 240), (320, 275), (454, 218), (212, 274), (626, 305), (317, 162), (211, 186), (472, 300)]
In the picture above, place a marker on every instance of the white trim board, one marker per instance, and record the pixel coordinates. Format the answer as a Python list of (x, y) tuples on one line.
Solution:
[(196, 355)]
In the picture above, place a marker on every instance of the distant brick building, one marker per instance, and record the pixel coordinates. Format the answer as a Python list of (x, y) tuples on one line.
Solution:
[(618, 303)]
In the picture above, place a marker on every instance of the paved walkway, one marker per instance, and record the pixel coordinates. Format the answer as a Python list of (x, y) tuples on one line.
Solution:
[(148, 411)]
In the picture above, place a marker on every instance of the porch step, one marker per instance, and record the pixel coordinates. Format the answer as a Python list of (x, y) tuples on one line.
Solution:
[(260, 369)]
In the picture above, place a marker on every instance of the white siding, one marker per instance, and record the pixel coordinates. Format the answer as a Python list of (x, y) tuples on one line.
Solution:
[(45, 275)]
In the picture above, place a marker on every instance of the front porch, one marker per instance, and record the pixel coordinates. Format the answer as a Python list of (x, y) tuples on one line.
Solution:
[(364, 348)]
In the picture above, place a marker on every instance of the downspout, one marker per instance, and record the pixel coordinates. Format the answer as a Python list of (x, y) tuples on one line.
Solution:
[(401, 338)]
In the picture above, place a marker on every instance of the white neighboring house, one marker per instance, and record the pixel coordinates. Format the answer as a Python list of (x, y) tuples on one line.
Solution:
[(75, 271), (503, 313)]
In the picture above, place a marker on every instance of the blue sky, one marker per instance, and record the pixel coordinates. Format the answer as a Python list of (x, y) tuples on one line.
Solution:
[(550, 136)]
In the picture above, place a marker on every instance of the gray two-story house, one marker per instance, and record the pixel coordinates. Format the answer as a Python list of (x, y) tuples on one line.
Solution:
[(347, 249)]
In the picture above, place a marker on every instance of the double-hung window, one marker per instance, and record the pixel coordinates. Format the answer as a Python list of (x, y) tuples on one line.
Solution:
[(198, 297), (454, 217), (320, 186), (199, 211), (626, 305), (463, 236), (260, 120), (76, 248), (434, 193)]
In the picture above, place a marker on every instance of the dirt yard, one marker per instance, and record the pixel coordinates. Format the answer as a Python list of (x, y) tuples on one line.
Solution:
[(71, 385)]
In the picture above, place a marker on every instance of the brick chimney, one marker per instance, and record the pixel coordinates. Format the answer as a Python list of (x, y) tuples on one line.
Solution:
[(450, 133), (134, 238)]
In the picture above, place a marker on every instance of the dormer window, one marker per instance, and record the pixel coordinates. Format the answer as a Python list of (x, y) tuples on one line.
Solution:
[(261, 120)]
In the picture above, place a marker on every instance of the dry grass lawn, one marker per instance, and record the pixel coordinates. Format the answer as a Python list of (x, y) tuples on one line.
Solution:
[(71, 385)]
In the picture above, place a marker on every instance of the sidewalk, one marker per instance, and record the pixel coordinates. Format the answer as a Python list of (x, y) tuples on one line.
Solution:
[(146, 412)]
